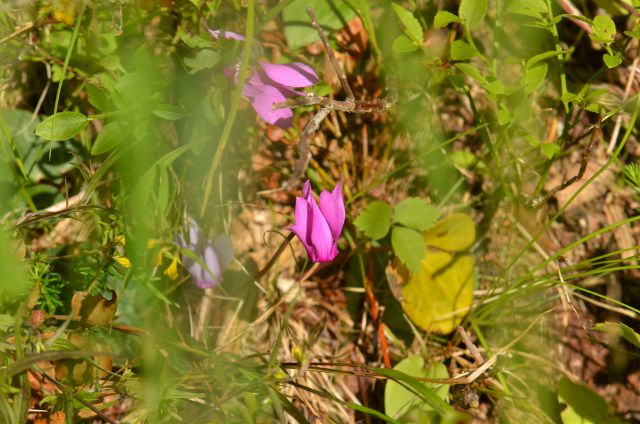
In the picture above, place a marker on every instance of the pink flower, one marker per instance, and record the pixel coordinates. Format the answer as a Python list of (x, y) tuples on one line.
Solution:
[(319, 227), (272, 83)]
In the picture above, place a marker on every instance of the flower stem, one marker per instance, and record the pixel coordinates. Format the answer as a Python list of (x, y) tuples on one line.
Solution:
[(235, 102)]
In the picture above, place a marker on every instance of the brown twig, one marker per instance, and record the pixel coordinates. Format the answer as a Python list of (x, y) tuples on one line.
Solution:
[(535, 201), (473, 350)]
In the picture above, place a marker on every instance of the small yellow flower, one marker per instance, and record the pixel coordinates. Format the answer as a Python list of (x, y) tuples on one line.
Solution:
[(122, 260), (172, 269)]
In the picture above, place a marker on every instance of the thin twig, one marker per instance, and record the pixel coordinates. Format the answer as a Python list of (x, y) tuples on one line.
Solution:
[(572, 10), (627, 90), (473, 350), (536, 201), (341, 75), (303, 147)]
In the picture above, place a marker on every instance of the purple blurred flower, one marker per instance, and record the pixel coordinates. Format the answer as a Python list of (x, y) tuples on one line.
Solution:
[(229, 35), (272, 83), (319, 227), (215, 255)]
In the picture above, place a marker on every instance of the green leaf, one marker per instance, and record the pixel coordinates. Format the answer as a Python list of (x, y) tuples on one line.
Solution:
[(62, 126), (473, 11), (472, 71), (332, 15), (621, 329), (400, 401), (375, 220), (109, 138), (504, 115), (612, 61), (634, 33), (412, 26), (604, 29), (169, 112), (416, 213), (532, 8), (549, 149), (543, 56), (408, 246), (444, 18), (204, 59), (402, 44), (463, 158), (461, 50), (426, 393), (534, 76), (584, 401)]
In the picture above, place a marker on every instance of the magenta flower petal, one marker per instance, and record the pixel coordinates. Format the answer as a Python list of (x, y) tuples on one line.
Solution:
[(229, 35), (300, 228), (332, 208), (263, 98), (294, 74), (321, 238)]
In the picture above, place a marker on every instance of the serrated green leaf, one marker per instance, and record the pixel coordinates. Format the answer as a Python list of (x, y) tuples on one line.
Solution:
[(109, 138), (444, 18), (61, 126), (375, 220), (604, 29), (399, 401), (620, 329), (332, 15), (402, 44), (416, 213), (473, 11), (412, 26), (204, 59), (408, 246), (461, 50), (612, 61)]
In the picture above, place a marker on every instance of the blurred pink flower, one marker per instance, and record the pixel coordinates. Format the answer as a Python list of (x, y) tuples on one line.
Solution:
[(319, 227), (272, 83)]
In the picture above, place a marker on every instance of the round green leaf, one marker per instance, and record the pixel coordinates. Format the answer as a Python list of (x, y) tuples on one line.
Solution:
[(473, 11), (375, 220), (109, 138), (416, 213)]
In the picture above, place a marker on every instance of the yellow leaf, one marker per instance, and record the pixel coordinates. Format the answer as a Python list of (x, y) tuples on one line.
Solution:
[(453, 234), (439, 296)]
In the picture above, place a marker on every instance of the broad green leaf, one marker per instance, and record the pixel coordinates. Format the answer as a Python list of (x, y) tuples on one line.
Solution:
[(534, 76), (332, 15), (375, 220), (98, 98), (109, 138), (408, 246), (461, 50), (13, 282), (412, 26), (416, 213), (402, 44), (444, 18), (472, 71), (584, 402), (495, 87), (634, 33), (169, 112), (425, 392), (204, 59), (504, 115), (463, 158), (62, 126), (549, 149), (401, 402), (453, 234), (438, 297), (612, 61), (604, 29), (621, 329), (533, 8), (472, 11)]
